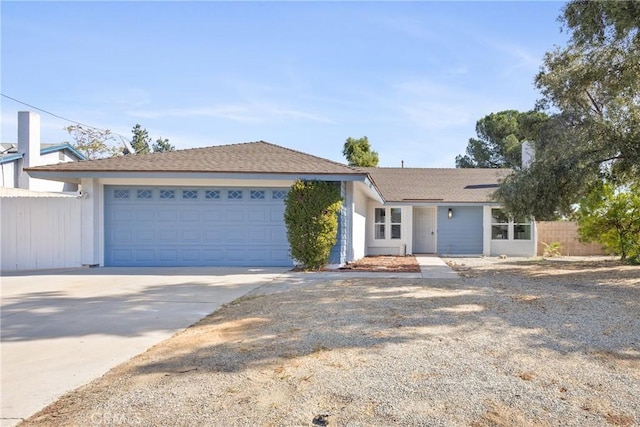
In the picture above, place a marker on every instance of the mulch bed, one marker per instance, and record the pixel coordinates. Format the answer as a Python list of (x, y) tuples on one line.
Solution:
[(384, 264)]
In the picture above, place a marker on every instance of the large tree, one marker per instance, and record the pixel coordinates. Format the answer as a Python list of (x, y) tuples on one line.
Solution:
[(499, 139), (593, 88), (358, 152)]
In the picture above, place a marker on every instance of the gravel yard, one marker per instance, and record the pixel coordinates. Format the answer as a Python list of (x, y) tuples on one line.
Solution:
[(509, 343)]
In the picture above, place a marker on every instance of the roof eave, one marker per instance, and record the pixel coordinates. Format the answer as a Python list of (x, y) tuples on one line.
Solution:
[(63, 147), (73, 176), (441, 202), (10, 158)]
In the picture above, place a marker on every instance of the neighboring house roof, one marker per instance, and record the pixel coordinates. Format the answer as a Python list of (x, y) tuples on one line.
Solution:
[(436, 185), (251, 157), (10, 151), (51, 148), (8, 148), (10, 157)]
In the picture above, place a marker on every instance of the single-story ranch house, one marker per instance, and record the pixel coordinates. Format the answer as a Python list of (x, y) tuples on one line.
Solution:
[(224, 205)]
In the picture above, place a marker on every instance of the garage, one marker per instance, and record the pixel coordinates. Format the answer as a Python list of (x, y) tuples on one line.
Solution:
[(195, 226)]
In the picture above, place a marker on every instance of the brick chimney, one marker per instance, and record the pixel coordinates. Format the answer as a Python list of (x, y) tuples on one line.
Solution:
[(28, 145)]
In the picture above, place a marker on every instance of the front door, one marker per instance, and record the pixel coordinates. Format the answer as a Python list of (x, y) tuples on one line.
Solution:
[(424, 230)]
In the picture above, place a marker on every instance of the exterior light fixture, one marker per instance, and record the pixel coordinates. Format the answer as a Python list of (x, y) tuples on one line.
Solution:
[(450, 213)]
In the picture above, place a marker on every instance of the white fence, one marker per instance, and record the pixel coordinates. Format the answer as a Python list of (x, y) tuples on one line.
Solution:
[(39, 232)]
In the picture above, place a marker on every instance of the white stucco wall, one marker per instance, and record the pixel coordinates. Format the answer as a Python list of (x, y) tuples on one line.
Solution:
[(54, 186), (8, 171), (389, 246), (359, 222), (519, 248), (92, 223)]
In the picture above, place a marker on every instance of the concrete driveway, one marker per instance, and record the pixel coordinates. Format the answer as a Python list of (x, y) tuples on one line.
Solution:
[(62, 329)]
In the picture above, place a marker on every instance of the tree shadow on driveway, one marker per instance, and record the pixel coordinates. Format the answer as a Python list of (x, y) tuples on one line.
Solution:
[(115, 302)]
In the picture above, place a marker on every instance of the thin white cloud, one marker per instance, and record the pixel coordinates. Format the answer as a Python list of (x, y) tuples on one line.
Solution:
[(434, 106), (523, 58), (126, 98), (243, 113), (437, 116)]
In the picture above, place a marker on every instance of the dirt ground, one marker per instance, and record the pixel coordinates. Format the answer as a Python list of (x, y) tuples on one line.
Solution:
[(384, 263), (536, 343)]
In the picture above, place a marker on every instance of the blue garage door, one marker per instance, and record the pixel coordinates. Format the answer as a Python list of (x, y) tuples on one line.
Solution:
[(195, 226)]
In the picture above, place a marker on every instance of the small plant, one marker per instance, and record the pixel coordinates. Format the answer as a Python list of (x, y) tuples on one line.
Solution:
[(551, 249)]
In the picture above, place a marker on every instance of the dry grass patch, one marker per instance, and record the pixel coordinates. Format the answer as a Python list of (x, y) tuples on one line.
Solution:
[(476, 352), (384, 264), (619, 420)]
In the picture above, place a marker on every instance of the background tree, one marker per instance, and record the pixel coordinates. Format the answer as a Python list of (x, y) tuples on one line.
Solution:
[(499, 139), (593, 87), (610, 215), (311, 216), (358, 152), (93, 143), (141, 142), (162, 144)]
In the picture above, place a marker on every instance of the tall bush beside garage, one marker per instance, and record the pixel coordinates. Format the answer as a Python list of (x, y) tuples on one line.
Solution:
[(311, 216)]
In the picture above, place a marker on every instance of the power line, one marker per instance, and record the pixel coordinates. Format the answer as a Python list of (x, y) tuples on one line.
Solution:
[(63, 118)]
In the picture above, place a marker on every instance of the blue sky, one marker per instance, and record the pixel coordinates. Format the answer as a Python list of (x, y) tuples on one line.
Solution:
[(414, 77)]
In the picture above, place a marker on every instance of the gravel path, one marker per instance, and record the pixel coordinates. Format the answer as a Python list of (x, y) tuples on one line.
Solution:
[(534, 343)]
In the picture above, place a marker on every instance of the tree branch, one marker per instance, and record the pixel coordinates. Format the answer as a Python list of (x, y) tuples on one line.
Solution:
[(596, 107)]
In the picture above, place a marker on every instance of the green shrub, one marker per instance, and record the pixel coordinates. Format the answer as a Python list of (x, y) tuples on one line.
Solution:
[(610, 215), (311, 216), (552, 249)]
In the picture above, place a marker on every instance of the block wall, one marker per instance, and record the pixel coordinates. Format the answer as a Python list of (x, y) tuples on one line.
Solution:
[(566, 233)]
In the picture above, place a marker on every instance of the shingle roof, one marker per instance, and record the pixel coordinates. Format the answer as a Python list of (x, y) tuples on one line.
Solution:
[(394, 184), (436, 185), (251, 157)]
